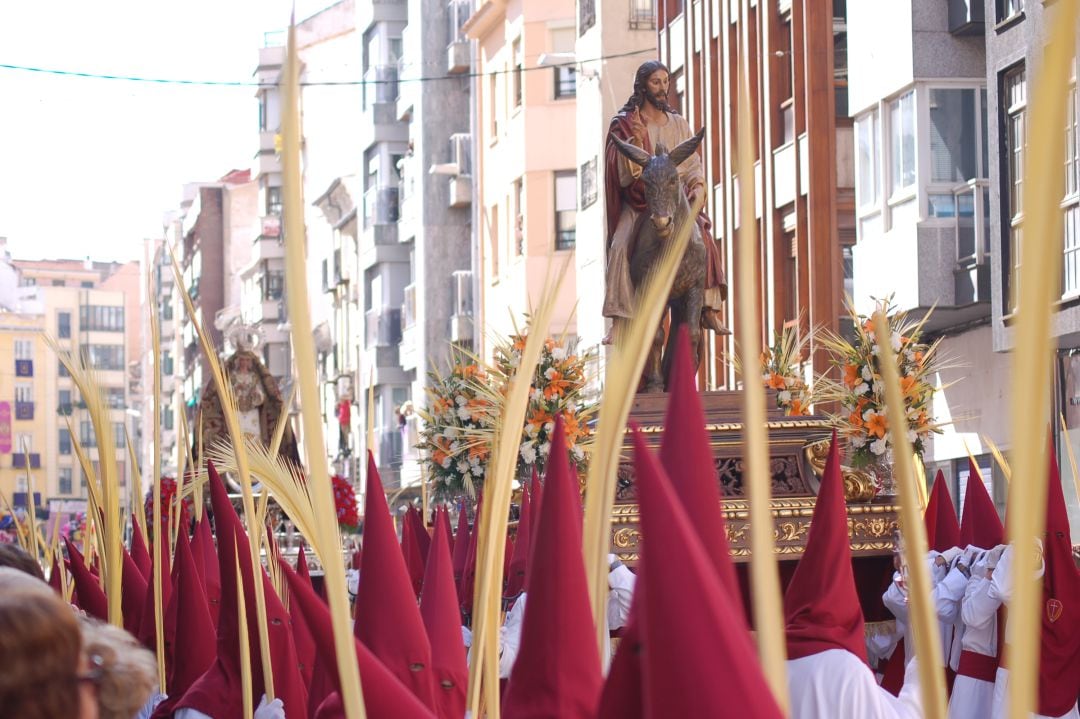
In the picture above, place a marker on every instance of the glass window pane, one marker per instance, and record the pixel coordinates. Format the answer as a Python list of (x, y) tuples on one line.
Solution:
[(868, 160), (952, 135), (902, 132), (942, 205)]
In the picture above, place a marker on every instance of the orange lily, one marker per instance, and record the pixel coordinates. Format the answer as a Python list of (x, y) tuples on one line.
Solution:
[(851, 376), (877, 425), (556, 386), (776, 382)]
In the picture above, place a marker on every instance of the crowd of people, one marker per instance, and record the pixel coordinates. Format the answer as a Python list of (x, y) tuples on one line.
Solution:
[(685, 646)]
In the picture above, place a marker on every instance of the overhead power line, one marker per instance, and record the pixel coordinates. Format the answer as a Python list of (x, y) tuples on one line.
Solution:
[(311, 83)]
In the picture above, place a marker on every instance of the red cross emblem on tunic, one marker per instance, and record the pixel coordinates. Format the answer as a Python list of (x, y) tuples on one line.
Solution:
[(1054, 608)]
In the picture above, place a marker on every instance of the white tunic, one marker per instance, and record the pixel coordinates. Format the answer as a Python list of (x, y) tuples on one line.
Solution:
[(974, 698), (836, 683)]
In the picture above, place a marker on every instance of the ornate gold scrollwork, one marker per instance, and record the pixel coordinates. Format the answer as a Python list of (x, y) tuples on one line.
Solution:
[(626, 537), (858, 486)]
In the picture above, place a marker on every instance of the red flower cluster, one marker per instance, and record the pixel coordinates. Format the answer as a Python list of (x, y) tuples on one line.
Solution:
[(168, 496), (348, 515)]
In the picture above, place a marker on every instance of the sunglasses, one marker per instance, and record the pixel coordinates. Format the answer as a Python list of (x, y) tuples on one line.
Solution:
[(96, 671)]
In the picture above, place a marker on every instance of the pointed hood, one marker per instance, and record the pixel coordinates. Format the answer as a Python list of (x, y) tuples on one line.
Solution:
[(384, 694), (693, 635), (133, 588), (515, 575), (206, 560), (821, 606), (535, 495), (387, 617), (147, 630), (942, 529), (461, 546), (688, 461), (449, 529), (92, 599), (54, 577), (442, 619), (1059, 655), (621, 697), (410, 551), (420, 532), (305, 644), (194, 645), (139, 553), (218, 692), (468, 576), (302, 569), (981, 525), (557, 673)]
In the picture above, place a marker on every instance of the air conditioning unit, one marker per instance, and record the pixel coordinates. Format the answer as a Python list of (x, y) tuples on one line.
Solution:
[(457, 57)]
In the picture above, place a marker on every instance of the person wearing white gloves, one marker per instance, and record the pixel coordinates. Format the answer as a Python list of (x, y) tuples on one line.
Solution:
[(973, 692)]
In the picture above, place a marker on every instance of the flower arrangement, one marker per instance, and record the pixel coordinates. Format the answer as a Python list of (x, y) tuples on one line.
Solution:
[(455, 457), (558, 389), (348, 514), (860, 392), (465, 406), (781, 371), (168, 497)]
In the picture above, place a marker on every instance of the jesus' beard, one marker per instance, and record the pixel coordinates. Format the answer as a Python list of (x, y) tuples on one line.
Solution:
[(658, 100)]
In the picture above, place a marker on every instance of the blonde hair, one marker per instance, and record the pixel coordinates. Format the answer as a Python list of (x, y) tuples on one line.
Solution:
[(39, 643), (129, 672)]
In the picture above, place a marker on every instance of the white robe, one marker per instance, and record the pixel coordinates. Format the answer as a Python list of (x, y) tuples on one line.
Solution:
[(946, 597), (836, 684), (974, 698)]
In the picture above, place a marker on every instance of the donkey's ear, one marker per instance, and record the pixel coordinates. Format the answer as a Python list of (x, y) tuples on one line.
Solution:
[(686, 148), (632, 152)]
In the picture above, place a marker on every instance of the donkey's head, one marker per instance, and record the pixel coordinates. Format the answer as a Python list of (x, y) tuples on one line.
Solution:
[(663, 189)]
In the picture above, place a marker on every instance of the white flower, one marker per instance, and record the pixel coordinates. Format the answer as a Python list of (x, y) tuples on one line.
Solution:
[(912, 436), (463, 413), (462, 466), (909, 355), (474, 461), (866, 415), (460, 399), (878, 447), (545, 448), (558, 354), (445, 463), (895, 342), (549, 426), (866, 373), (528, 453), (549, 372), (861, 388), (531, 430), (858, 441), (455, 447), (879, 387), (450, 432), (534, 393), (765, 376), (784, 397), (875, 349), (578, 452), (478, 470)]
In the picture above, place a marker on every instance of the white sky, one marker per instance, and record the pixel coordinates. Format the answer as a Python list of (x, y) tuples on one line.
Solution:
[(89, 166)]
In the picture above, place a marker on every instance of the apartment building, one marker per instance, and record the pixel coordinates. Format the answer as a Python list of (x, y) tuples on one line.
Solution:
[(1016, 33), (924, 163), (83, 305), (613, 39), (803, 169), (525, 161), (23, 409)]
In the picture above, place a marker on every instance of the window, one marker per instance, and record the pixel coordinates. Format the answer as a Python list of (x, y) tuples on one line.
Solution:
[(24, 349), (166, 309), (840, 66), (64, 402), (565, 82), (1071, 204), (167, 417), (87, 438), (273, 200), (519, 218), (589, 183), (64, 443), (519, 64), (1007, 9), (119, 435), (494, 232), (105, 357), (58, 283), (1014, 96), (642, 14), (167, 367), (902, 133), (587, 15), (101, 319), (493, 105), (114, 397), (565, 210), (24, 393), (63, 478), (86, 285), (63, 325), (869, 159), (273, 285), (954, 135), (61, 370)]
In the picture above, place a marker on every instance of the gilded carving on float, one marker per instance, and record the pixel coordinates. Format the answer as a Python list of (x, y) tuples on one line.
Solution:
[(858, 485)]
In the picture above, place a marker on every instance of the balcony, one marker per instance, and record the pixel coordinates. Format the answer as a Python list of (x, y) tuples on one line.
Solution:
[(18, 460), (268, 311), (380, 85), (458, 57), (461, 321), (408, 348), (24, 410), (389, 441), (380, 206), (382, 327)]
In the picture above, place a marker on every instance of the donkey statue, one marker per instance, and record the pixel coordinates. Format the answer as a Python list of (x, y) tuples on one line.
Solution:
[(667, 208)]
